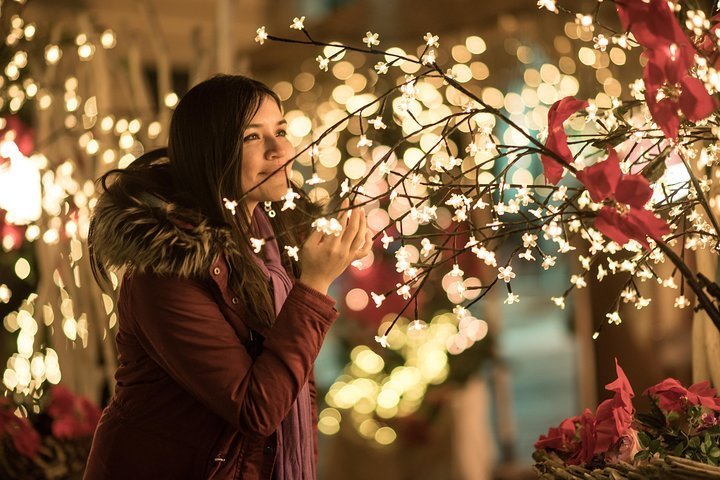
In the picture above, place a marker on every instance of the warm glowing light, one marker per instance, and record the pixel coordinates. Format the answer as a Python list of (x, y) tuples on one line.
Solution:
[(22, 268), (357, 299), (154, 129), (108, 39), (86, 51), (171, 99)]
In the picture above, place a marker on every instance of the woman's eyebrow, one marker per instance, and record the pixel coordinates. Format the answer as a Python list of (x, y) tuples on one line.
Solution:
[(258, 125)]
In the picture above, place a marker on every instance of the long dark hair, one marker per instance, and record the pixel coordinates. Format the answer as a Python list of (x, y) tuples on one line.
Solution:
[(204, 163)]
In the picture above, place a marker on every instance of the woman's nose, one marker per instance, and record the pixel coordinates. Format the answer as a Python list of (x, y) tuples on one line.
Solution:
[(274, 148)]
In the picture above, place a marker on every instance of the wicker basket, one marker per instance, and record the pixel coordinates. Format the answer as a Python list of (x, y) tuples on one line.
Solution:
[(550, 466)]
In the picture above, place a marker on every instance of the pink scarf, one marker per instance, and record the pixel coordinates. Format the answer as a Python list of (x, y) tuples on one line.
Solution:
[(296, 450)]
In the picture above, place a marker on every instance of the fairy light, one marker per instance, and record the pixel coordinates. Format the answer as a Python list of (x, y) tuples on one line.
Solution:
[(108, 39), (29, 31), (22, 268), (86, 51), (171, 99), (134, 126), (154, 129), (92, 147), (121, 125), (126, 140), (106, 124), (5, 293)]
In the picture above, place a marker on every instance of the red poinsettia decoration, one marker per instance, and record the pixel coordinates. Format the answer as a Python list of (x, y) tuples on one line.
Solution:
[(614, 416), (557, 139), (671, 396), (608, 431), (73, 415), (626, 218), (670, 56), (587, 437), (613, 433), (574, 438), (706, 43), (24, 437), (561, 438)]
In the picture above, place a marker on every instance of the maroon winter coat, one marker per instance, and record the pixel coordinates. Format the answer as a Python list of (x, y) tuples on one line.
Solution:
[(190, 401)]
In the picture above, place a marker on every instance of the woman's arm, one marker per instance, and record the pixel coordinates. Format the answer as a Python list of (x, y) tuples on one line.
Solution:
[(181, 327)]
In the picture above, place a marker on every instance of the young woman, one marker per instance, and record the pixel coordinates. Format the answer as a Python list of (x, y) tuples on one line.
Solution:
[(216, 343)]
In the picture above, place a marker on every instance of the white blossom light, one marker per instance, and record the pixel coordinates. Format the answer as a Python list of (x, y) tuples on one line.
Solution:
[(506, 274), (230, 205), (328, 227), (289, 198), (371, 39), (292, 252), (298, 23), (257, 244), (431, 40), (261, 35)]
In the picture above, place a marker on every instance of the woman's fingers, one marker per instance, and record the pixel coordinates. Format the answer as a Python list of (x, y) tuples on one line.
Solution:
[(367, 246), (352, 226), (313, 238), (360, 234), (341, 216)]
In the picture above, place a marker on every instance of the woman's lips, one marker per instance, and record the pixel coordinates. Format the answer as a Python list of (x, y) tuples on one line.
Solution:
[(275, 171)]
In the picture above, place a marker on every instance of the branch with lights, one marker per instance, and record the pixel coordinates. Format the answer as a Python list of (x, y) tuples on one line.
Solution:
[(640, 170)]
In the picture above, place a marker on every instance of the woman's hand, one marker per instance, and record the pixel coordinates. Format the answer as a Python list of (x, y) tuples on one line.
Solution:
[(324, 257)]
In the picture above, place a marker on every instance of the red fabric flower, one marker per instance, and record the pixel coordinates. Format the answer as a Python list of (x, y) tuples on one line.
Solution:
[(637, 224), (557, 139), (693, 99), (673, 397), (670, 56), (605, 181), (24, 437), (706, 43), (561, 438), (652, 23), (608, 430), (614, 416), (73, 415), (586, 429)]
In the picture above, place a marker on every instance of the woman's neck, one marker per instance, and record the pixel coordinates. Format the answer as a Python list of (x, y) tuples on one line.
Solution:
[(250, 209)]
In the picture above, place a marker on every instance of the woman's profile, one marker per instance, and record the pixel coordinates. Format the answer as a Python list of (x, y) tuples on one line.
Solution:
[(217, 333)]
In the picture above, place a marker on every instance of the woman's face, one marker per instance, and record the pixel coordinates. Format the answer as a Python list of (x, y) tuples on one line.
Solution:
[(265, 148)]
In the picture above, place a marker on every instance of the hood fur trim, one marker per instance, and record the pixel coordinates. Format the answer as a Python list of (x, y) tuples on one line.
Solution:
[(145, 233)]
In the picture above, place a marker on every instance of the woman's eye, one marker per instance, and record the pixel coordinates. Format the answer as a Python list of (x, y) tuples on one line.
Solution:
[(252, 136), (282, 133)]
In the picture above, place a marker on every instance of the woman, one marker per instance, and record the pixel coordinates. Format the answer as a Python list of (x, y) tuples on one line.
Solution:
[(216, 343)]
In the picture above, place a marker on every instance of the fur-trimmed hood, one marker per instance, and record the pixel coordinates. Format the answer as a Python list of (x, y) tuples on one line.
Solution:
[(145, 233)]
